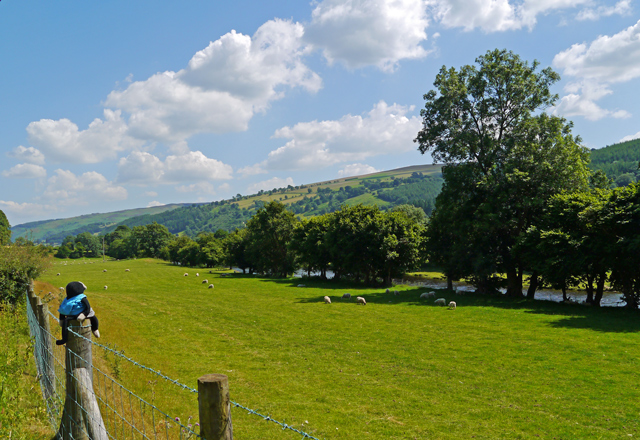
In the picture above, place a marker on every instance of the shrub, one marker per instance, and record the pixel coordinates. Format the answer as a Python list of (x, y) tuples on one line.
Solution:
[(18, 266)]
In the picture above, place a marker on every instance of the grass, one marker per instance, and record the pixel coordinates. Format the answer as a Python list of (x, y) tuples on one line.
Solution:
[(495, 368), (22, 412)]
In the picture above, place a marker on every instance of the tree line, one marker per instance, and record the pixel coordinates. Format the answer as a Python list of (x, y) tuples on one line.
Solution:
[(357, 242)]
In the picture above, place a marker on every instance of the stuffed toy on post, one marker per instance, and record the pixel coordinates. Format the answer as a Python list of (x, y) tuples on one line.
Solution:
[(76, 306)]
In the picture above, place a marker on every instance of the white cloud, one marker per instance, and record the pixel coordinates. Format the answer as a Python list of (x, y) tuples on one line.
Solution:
[(369, 32), (385, 129), (623, 7), (62, 141), (356, 169), (606, 60), (200, 188), (496, 15), (252, 170), (27, 154), (20, 211), (275, 182), (150, 194), (155, 203), (195, 166), (145, 168), (67, 189), (581, 101), (26, 171), (631, 137), (140, 167), (221, 88), (609, 59)]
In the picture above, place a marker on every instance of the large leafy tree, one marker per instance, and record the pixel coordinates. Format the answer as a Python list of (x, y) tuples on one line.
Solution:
[(509, 159), (5, 230), (151, 239), (270, 231)]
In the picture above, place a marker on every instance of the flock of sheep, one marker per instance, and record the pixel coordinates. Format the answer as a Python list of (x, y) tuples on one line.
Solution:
[(327, 300), (425, 295)]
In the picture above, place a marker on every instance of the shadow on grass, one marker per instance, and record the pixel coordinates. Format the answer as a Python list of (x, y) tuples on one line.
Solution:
[(576, 316)]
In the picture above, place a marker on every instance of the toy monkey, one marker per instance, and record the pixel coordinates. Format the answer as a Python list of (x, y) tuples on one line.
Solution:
[(76, 306)]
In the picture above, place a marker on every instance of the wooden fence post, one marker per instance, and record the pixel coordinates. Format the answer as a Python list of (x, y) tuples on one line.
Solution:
[(214, 407), (46, 350), (73, 425)]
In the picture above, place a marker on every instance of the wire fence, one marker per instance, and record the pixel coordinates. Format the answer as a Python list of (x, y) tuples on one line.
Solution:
[(84, 402)]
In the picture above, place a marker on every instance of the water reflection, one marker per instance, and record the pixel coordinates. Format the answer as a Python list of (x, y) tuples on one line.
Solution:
[(609, 299)]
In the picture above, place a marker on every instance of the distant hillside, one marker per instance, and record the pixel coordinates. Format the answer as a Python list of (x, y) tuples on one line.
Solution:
[(417, 185), (618, 161), (54, 231)]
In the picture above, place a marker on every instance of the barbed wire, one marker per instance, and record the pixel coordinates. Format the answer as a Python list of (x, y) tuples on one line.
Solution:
[(284, 425)]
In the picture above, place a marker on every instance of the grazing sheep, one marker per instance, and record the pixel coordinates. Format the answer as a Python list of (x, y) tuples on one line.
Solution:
[(440, 302), (346, 296), (427, 295), (210, 286), (105, 287), (197, 274), (205, 281), (452, 305), (301, 285), (396, 293), (104, 270), (58, 274), (387, 291), (361, 300), (327, 300), (127, 270), (186, 275)]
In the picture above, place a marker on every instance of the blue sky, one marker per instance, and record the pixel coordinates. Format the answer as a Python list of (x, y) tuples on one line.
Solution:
[(115, 105)]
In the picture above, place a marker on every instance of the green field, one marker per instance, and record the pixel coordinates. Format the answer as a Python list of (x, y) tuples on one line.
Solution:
[(399, 367)]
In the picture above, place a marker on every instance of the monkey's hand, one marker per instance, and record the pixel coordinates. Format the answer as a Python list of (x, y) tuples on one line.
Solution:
[(81, 317)]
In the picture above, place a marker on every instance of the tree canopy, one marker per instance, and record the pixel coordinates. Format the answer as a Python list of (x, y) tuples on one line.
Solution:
[(504, 160)]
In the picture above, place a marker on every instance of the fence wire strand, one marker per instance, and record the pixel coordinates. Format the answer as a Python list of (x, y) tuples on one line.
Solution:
[(121, 418)]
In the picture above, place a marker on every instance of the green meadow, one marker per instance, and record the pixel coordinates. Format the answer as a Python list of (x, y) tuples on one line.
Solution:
[(397, 368)]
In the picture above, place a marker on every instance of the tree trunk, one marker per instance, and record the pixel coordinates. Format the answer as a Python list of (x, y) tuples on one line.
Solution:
[(514, 283), (589, 289), (449, 283), (564, 293), (533, 285), (599, 289)]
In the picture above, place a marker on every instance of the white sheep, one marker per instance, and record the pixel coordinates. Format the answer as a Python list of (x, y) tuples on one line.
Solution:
[(205, 281), (452, 305), (105, 287), (327, 300), (301, 285), (210, 286), (58, 274), (186, 275), (386, 291), (361, 300), (440, 302), (346, 296), (104, 270), (427, 295), (197, 274), (61, 289), (396, 293), (127, 270)]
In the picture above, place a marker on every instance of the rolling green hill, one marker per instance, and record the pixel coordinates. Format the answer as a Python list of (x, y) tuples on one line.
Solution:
[(618, 161), (416, 185), (53, 231)]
